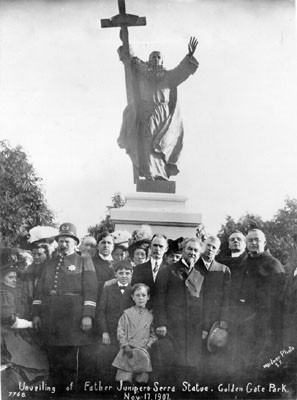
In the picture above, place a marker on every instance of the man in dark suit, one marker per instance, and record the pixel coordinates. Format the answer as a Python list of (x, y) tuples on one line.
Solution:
[(147, 272), (103, 261), (215, 306), (103, 264)]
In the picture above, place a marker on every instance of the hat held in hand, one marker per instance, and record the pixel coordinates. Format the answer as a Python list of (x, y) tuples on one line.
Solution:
[(217, 337), (140, 361)]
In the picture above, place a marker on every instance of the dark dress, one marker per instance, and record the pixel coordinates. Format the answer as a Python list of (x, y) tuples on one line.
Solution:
[(21, 353)]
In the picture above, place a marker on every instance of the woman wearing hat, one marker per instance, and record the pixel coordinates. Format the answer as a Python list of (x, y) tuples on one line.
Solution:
[(174, 252), (21, 358), (138, 251), (41, 254)]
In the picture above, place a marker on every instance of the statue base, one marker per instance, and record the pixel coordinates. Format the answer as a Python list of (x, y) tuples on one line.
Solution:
[(145, 185), (165, 213)]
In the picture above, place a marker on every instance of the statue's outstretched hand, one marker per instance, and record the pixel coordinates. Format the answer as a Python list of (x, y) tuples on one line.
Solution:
[(192, 45)]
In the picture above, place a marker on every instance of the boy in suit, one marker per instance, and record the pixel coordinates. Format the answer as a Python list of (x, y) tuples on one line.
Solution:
[(115, 298)]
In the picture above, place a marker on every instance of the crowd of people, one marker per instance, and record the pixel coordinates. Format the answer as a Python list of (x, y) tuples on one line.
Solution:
[(148, 309)]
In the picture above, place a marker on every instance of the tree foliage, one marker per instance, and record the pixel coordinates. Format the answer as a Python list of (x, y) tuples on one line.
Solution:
[(280, 231), (22, 202), (283, 231), (106, 224)]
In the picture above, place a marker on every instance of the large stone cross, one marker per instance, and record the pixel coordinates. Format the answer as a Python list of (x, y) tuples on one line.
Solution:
[(123, 20)]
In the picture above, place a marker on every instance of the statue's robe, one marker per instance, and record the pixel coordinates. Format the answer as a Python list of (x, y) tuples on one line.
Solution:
[(152, 130)]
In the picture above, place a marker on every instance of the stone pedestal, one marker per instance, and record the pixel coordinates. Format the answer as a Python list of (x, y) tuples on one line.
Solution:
[(165, 212)]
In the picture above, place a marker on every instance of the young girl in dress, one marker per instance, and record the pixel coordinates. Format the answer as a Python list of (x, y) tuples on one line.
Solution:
[(136, 335)]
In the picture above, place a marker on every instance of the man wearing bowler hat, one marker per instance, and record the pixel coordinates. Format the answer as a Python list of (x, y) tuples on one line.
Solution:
[(64, 307)]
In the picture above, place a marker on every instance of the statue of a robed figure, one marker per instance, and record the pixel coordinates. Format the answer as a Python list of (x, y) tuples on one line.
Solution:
[(152, 129)]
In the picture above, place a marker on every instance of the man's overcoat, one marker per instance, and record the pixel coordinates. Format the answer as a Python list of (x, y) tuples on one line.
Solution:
[(215, 292), (180, 312)]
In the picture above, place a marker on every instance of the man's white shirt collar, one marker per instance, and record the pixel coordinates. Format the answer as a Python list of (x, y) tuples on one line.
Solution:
[(207, 264), (153, 262), (122, 286), (186, 264), (235, 255), (106, 258)]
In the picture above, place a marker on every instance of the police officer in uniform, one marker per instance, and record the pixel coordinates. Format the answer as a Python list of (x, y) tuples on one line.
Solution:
[(64, 307)]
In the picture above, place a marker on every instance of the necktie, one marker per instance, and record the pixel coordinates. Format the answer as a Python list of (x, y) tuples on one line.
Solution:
[(123, 288), (156, 267)]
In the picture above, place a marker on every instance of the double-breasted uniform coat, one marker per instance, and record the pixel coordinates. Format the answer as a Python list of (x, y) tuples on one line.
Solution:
[(66, 292)]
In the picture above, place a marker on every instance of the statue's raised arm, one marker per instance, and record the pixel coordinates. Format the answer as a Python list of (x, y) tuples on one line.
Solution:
[(192, 46)]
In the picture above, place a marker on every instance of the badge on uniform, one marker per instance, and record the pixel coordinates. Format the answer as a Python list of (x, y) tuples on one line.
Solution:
[(71, 268)]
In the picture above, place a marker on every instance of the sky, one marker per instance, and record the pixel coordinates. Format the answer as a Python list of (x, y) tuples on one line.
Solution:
[(62, 94)]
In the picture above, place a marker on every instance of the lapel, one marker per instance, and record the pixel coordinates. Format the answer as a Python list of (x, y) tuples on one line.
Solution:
[(147, 270), (200, 266), (214, 266), (177, 270), (116, 292), (162, 266), (117, 297)]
